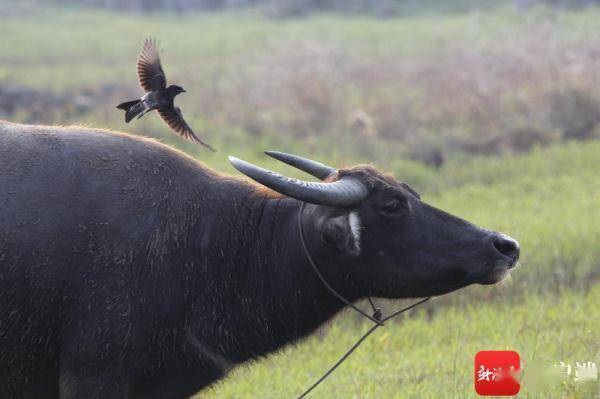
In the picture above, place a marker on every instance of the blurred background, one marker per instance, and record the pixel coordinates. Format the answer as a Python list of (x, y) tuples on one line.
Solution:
[(491, 109)]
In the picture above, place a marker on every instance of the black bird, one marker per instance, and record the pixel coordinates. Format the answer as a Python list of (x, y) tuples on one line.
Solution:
[(158, 96)]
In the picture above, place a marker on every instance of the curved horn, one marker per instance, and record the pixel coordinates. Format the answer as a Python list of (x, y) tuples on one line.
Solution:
[(344, 192), (309, 166)]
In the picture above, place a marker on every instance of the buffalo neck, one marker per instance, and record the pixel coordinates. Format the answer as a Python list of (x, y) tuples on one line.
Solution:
[(268, 295)]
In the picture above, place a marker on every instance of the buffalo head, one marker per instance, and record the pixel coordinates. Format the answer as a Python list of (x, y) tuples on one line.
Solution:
[(392, 243)]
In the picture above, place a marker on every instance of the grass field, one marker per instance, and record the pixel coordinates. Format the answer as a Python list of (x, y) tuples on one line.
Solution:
[(456, 83), (421, 358)]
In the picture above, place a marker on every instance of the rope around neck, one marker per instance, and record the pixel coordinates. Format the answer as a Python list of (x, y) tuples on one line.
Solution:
[(377, 317)]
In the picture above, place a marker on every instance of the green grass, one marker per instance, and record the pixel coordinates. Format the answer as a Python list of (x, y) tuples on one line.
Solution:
[(419, 358), (548, 200)]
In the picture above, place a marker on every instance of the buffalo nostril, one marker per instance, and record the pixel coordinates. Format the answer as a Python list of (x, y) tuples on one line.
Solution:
[(507, 246)]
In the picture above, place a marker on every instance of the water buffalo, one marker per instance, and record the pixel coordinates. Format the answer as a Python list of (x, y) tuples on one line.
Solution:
[(130, 270)]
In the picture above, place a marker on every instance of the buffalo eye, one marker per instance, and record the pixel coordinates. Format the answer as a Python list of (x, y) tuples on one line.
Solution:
[(394, 206)]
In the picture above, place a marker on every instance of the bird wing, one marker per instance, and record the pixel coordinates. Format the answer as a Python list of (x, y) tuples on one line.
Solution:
[(150, 73), (173, 117)]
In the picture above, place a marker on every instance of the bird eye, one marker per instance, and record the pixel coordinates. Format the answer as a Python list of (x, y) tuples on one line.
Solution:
[(393, 206)]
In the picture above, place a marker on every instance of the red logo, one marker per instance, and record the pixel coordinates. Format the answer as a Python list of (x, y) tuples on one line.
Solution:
[(497, 373)]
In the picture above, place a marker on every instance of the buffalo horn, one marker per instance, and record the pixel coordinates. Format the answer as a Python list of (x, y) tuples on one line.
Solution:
[(309, 166), (347, 191)]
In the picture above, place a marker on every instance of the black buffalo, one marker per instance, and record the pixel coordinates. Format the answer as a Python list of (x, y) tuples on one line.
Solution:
[(130, 270)]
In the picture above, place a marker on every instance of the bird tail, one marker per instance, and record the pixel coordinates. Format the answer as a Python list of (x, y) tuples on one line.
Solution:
[(131, 108)]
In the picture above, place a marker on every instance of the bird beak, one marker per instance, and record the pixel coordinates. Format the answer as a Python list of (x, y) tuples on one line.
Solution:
[(183, 91)]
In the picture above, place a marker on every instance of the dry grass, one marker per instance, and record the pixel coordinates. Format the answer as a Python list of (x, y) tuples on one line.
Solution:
[(424, 86), (520, 90)]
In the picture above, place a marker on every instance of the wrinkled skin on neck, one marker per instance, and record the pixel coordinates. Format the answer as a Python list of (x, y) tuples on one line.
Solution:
[(277, 295)]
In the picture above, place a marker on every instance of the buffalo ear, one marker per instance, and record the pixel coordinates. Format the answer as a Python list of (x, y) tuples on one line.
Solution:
[(338, 232)]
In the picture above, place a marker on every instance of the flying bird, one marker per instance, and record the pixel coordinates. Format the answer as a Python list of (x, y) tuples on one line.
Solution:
[(158, 96)]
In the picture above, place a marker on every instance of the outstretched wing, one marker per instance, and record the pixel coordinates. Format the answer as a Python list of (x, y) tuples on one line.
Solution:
[(174, 118), (150, 72)]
